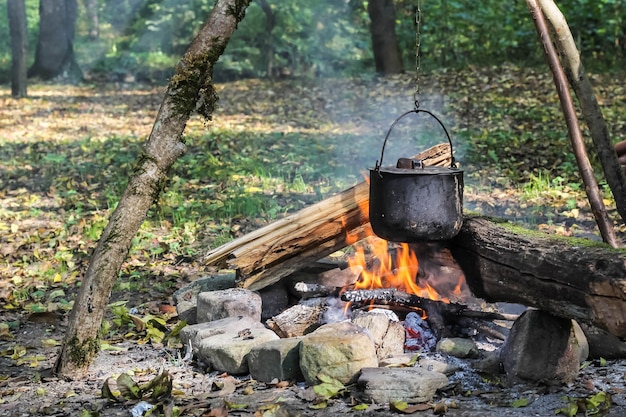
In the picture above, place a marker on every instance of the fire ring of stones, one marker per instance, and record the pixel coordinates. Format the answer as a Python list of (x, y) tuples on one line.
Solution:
[(281, 334)]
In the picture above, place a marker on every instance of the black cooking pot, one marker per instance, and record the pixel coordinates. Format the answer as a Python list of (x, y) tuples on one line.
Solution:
[(412, 202)]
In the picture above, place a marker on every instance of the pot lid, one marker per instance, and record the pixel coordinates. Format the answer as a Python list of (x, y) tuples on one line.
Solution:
[(428, 170)]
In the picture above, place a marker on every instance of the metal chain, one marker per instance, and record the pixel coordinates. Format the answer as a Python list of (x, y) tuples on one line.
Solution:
[(418, 44)]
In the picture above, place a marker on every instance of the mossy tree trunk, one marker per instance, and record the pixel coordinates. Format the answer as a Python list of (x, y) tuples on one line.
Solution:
[(190, 89)]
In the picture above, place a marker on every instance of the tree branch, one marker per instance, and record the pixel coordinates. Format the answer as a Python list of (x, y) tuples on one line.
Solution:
[(190, 89)]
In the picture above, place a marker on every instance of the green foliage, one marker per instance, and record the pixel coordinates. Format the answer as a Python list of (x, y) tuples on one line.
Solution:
[(125, 388), (597, 404), (146, 38)]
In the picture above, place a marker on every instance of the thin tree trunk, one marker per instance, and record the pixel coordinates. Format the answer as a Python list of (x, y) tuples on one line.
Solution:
[(190, 89), (570, 58), (270, 23), (16, 10), (573, 129), (91, 7)]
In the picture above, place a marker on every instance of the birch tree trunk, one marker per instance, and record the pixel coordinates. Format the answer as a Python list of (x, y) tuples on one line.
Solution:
[(570, 58), (190, 89)]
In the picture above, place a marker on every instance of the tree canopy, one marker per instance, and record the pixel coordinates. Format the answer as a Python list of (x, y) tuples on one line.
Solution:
[(145, 38)]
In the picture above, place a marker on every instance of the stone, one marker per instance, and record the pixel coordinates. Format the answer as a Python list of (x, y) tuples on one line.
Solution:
[(413, 385), (186, 298), (224, 344), (542, 348), (275, 299), (489, 363), (398, 361), (276, 359), (603, 344), (338, 350), (458, 347), (386, 330), (231, 302), (437, 366), (187, 311)]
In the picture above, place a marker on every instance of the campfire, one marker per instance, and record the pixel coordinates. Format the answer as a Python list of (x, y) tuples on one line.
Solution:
[(396, 267), (409, 295)]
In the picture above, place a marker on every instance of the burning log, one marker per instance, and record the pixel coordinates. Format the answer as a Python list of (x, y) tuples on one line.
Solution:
[(270, 253), (565, 277), (439, 315)]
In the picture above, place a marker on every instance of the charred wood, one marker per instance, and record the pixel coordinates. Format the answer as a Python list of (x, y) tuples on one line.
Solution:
[(312, 290), (441, 316)]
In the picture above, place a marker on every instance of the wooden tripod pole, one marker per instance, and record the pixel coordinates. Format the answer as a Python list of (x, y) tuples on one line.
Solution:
[(573, 128)]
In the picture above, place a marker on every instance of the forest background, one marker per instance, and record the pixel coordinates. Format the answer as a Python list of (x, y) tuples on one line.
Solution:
[(302, 116)]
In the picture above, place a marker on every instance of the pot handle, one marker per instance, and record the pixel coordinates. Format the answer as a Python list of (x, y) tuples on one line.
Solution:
[(416, 111)]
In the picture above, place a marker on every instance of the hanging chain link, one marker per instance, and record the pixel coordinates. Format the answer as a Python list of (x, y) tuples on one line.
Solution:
[(418, 44)]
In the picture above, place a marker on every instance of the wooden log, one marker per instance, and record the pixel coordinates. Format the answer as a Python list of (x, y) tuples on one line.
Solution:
[(296, 321), (270, 253), (567, 277)]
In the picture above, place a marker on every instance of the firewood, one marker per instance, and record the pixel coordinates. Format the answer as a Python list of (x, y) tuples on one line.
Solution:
[(270, 253), (296, 321)]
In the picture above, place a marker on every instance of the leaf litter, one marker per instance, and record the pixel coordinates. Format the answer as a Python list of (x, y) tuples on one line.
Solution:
[(272, 148)]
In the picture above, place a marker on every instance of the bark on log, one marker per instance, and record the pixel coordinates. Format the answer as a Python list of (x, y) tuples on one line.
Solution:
[(270, 253), (561, 276)]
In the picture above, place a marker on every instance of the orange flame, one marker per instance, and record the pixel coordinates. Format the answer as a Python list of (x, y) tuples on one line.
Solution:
[(397, 267)]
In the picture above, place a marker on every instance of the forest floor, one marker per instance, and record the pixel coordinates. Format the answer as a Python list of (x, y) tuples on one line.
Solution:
[(273, 147)]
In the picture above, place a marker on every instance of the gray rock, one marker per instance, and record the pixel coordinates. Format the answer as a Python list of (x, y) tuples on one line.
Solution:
[(231, 302), (542, 348), (339, 350), (413, 385), (386, 330), (186, 297), (603, 344), (276, 359), (224, 344), (489, 363), (275, 299), (437, 366), (187, 311), (458, 347)]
